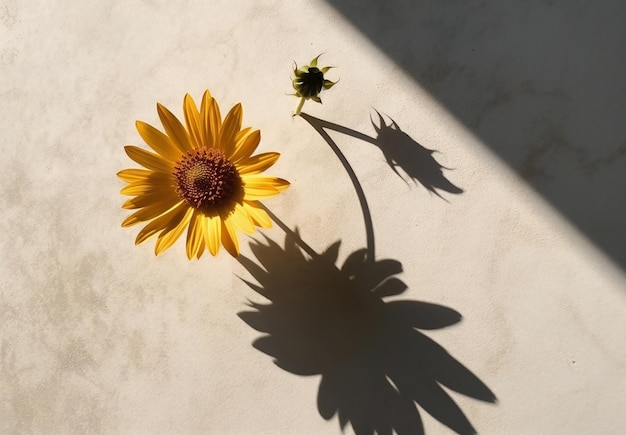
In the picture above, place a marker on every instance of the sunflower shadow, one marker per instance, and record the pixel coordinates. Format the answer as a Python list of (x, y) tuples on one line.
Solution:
[(374, 363), (400, 151)]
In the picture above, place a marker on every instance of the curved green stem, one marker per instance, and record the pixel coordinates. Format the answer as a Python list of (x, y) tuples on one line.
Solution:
[(299, 108)]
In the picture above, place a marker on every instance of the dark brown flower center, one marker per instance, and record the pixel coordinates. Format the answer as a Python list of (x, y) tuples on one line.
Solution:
[(206, 179)]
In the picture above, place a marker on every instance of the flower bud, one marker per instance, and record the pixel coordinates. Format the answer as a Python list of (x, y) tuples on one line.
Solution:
[(309, 82)]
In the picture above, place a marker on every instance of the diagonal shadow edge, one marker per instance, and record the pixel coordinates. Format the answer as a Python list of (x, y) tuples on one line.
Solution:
[(556, 123)]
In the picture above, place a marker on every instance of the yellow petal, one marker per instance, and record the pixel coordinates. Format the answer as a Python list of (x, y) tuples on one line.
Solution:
[(195, 234), (260, 187), (229, 237), (256, 194), (171, 233), (257, 164), (143, 189), (174, 128), (131, 175), (169, 219), (156, 182), (245, 144), (156, 178), (192, 118), (159, 142), (148, 213), (205, 120), (145, 200), (258, 215), (230, 128), (254, 180), (211, 119), (201, 249), (148, 159), (241, 220), (213, 233)]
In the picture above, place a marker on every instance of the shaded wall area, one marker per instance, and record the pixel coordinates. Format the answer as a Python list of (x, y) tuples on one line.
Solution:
[(541, 82)]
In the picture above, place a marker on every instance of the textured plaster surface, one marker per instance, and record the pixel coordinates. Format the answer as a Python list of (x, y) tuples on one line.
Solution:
[(99, 335)]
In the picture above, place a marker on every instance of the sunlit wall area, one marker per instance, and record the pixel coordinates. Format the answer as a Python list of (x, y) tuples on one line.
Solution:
[(449, 256)]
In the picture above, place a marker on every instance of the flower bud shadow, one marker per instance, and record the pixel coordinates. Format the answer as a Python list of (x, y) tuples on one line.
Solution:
[(400, 151), (375, 364)]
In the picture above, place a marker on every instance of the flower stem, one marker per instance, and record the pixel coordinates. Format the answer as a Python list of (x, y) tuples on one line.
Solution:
[(299, 108), (318, 125)]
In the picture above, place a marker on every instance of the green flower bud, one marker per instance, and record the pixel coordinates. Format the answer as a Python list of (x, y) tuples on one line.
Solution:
[(309, 82)]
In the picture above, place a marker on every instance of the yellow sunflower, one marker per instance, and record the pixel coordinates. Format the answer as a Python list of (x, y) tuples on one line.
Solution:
[(203, 177)]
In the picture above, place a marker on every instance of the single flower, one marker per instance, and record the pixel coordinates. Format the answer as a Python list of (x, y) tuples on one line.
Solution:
[(309, 81), (203, 178)]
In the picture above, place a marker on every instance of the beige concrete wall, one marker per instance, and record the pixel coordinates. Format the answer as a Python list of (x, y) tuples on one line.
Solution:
[(516, 294)]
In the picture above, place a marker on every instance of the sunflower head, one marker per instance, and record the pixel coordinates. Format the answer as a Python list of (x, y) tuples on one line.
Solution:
[(202, 178), (309, 82)]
